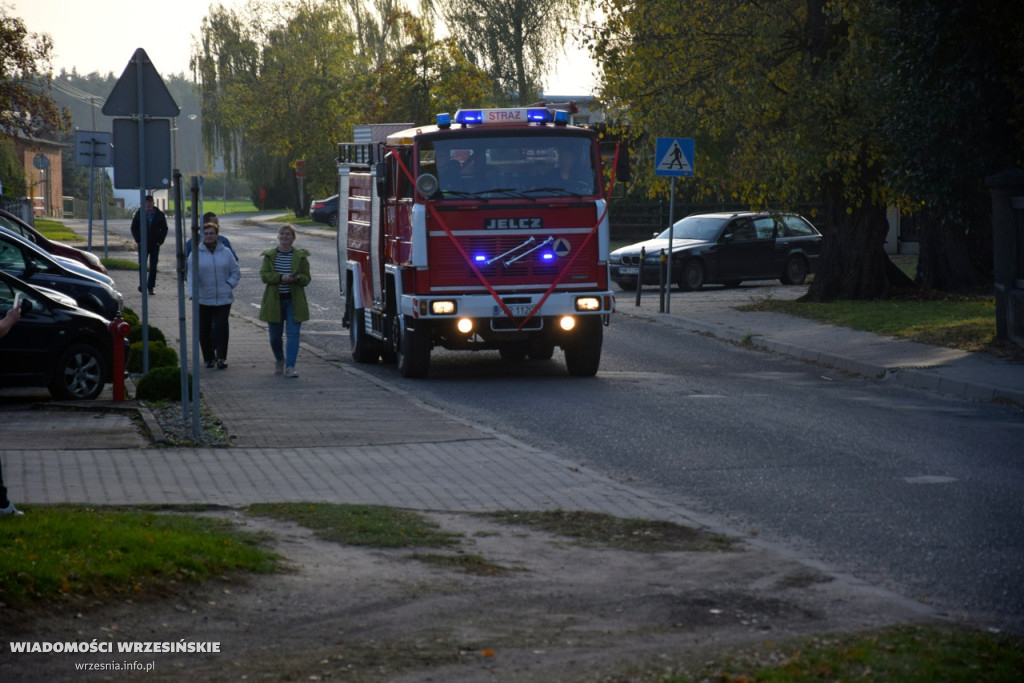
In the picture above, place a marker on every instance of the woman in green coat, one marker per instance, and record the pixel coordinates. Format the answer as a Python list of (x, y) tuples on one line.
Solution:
[(285, 272)]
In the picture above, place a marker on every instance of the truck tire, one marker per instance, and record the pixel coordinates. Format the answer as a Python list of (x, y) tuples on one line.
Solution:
[(413, 356), (364, 349), (583, 353)]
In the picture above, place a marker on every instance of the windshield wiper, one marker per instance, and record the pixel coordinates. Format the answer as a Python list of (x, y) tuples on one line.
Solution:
[(506, 190), (458, 193), (564, 192)]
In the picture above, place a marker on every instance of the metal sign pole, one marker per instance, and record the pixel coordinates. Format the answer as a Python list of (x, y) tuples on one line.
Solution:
[(143, 215), (92, 186), (103, 203), (671, 234), (179, 250), (196, 193)]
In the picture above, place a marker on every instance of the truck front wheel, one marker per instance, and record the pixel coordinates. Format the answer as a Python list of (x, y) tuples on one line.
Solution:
[(413, 356), (583, 352)]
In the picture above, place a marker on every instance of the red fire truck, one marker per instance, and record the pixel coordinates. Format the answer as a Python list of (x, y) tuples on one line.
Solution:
[(488, 230)]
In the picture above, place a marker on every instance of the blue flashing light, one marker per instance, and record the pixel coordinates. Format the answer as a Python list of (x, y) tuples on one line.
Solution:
[(547, 256), (469, 116), (444, 120), (480, 258), (538, 115), (561, 117)]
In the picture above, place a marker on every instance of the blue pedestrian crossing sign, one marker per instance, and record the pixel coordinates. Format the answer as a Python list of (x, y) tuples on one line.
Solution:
[(673, 157)]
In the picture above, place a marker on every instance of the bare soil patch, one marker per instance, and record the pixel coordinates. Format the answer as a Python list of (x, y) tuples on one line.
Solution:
[(526, 606)]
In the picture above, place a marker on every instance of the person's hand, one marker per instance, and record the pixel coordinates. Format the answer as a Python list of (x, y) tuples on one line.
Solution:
[(13, 316)]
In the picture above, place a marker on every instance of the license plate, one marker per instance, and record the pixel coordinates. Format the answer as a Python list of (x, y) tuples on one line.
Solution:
[(518, 310), (629, 270)]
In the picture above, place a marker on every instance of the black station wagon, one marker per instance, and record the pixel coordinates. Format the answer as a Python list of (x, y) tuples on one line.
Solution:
[(724, 248)]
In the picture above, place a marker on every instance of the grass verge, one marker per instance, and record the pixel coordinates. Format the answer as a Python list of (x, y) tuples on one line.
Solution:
[(70, 551), (592, 528), (374, 526), (961, 322), (902, 654)]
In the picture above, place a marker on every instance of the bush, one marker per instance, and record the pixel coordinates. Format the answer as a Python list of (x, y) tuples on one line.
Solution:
[(161, 384), (160, 356), (132, 318), (155, 333)]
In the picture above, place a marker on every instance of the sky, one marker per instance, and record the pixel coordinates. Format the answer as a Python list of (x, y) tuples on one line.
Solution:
[(102, 35)]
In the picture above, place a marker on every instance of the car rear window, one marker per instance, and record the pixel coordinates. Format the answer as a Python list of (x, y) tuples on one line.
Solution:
[(797, 227)]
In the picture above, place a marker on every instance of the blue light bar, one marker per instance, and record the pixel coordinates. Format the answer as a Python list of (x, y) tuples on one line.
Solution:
[(561, 117), (444, 120), (502, 117), (469, 116), (538, 115)]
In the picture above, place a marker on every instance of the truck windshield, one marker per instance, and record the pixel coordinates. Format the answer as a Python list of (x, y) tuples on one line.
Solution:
[(510, 166)]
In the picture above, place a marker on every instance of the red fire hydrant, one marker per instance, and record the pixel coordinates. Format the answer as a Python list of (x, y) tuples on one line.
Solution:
[(119, 328)]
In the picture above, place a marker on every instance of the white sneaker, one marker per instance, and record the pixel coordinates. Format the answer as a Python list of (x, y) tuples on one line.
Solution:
[(10, 511), (290, 372), (279, 367)]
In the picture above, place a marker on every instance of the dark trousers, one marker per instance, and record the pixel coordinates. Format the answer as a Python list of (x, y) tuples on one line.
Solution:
[(213, 331), (4, 502), (152, 255)]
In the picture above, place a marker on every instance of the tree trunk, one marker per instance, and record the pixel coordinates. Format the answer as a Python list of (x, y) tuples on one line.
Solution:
[(946, 261), (853, 262)]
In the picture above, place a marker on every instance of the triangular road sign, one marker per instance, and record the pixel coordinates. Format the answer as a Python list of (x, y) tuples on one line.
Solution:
[(156, 99), (674, 160)]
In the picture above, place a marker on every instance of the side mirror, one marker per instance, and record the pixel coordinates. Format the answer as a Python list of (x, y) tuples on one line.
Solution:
[(383, 184), (30, 268), (26, 306)]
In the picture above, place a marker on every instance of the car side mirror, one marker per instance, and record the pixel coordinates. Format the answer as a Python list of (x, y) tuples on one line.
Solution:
[(26, 306), (30, 268), (729, 237)]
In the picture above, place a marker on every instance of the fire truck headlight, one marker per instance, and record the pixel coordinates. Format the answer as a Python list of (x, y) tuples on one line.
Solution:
[(465, 325), (567, 323), (588, 303), (427, 184), (442, 307)]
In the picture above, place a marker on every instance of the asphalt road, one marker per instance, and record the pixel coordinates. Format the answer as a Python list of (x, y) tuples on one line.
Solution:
[(911, 491)]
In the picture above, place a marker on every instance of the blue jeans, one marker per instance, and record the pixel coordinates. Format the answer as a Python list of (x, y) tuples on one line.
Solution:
[(289, 353)]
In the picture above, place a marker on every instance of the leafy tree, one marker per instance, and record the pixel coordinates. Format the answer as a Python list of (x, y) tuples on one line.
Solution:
[(790, 101), (955, 106), (512, 40), (273, 86), (423, 76), (289, 82), (12, 171), (26, 107)]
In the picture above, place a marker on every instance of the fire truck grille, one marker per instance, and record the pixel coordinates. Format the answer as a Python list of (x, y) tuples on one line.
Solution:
[(531, 269)]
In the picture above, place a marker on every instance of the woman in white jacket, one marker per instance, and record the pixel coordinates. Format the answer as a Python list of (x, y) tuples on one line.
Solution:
[(218, 273)]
